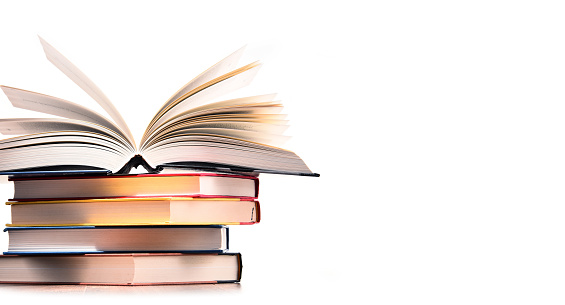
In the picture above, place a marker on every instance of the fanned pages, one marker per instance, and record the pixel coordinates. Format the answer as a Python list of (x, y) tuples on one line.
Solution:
[(33, 126), (225, 65), (206, 92), (72, 72), (55, 106), (192, 130)]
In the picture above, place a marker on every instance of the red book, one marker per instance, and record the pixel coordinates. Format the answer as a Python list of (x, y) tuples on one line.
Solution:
[(203, 185), (135, 211)]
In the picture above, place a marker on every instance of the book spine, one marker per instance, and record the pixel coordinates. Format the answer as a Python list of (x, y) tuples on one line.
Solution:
[(227, 238), (240, 263)]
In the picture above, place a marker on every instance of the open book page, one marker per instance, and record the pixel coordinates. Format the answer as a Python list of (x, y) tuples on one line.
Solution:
[(55, 106), (264, 124), (222, 67), (42, 140), (206, 92), (241, 121), (62, 148), (237, 102), (42, 125), (241, 76), (228, 124), (87, 85), (202, 149), (84, 154), (247, 105), (245, 135)]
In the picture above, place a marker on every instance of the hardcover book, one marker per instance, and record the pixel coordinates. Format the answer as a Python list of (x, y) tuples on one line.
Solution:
[(147, 185), (121, 269), (33, 240), (191, 130), (135, 211)]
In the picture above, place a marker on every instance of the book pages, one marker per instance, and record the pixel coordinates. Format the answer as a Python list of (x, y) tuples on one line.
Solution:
[(222, 67), (55, 106), (41, 125), (207, 93), (79, 78)]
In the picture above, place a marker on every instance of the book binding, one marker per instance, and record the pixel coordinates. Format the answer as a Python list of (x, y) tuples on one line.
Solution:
[(137, 160)]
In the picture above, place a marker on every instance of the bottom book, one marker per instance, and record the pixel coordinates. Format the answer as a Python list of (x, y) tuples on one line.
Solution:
[(121, 269)]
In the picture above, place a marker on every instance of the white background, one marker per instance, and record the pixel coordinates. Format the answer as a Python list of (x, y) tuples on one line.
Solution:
[(437, 127)]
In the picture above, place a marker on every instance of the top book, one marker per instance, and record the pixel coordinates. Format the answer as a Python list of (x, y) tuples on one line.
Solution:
[(190, 130)]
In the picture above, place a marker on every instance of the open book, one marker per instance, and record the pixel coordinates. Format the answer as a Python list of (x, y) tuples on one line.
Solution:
[(190, 130)]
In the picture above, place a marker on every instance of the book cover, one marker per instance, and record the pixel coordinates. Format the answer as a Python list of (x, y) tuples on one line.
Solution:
[(202, 185), (117, 239), (135, 211), (121, 269)]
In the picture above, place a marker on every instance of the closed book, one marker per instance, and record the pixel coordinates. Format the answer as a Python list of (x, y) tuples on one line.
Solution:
[(135, 211), (147, 185), (121, 269), (33, 240)]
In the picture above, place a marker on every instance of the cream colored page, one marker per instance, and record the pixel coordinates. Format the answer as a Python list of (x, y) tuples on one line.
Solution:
[(256, 125), (40, 125), (205, 95), (231, 105), (225, 65), (33, 125), (55, 106), (259, 100), (16, 145), (259, 111), (57, 153), (198, 89), (270, 126), (252, 131), (245, 135), (87, 85)]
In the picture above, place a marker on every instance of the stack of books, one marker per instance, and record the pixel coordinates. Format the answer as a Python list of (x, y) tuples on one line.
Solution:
[(128, 229), (78, 216)]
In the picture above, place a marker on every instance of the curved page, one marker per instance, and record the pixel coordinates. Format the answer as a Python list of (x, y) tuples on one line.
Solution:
[(150, 132), (223, 66), (38, 125), (55, 106), (79, 78), (207, 92)]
